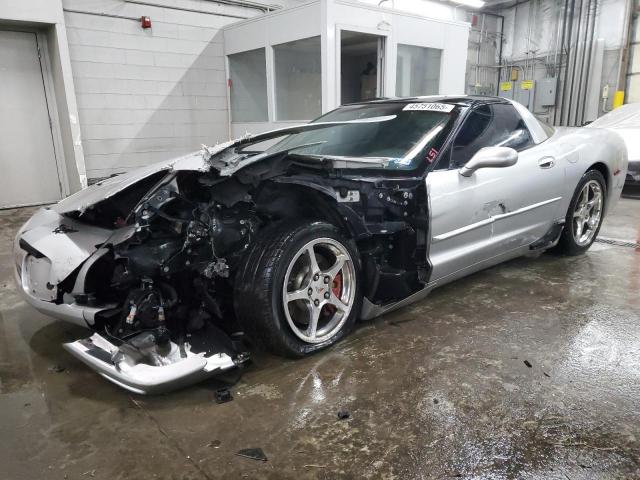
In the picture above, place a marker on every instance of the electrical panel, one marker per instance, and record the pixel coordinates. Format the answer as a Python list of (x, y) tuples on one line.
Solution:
[(546, 94), (524, 92)]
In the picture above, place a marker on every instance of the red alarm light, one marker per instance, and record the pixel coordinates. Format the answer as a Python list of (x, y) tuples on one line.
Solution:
[(145, 22)]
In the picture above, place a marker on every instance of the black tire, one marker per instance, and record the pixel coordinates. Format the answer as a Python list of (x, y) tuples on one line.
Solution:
[(258, 287), (568, 244)]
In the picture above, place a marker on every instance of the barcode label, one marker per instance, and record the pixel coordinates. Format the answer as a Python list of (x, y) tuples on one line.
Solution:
[(430, 107)]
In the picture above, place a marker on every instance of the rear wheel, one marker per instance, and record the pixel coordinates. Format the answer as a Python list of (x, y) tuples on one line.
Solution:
[(298, 290), (585, 214)]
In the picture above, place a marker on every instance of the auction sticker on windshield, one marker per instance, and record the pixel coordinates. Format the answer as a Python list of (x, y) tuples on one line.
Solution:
[(429, 107)]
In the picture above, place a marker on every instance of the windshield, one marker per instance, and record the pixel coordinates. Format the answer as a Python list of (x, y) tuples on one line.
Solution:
[(403, 135)]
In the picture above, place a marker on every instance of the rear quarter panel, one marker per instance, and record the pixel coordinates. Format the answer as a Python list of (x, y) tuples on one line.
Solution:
[(579, 149)]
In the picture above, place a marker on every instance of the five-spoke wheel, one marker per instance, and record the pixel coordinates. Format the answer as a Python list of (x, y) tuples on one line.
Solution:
[(298, 289), (319, 289), (585, 214)]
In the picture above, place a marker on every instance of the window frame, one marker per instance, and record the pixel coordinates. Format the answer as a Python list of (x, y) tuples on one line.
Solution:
[(462, 119), (266, 86)]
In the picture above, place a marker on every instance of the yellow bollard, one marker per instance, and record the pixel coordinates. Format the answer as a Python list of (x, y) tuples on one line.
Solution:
[(618, 98)]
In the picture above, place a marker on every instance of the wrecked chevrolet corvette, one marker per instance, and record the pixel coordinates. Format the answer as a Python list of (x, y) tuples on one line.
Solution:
[(364, 210)]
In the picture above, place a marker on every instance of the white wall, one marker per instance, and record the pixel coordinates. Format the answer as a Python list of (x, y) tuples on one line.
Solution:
[(148, 95)]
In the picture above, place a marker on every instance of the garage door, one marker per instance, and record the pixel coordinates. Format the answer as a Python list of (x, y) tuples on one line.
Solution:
[(28, 169)]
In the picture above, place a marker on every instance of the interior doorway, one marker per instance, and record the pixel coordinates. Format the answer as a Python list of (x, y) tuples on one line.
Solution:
[(361, 66)]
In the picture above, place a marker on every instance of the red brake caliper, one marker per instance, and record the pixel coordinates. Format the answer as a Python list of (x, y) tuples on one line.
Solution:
[(336, 286), (336, 289)]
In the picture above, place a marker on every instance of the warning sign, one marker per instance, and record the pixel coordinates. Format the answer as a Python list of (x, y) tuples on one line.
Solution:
[(526, 84)]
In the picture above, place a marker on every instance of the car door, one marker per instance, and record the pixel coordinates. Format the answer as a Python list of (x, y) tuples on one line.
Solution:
[(483, 217)]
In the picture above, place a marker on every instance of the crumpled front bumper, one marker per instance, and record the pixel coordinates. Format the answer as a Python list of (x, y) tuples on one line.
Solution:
[(45, 254), (96, 352)]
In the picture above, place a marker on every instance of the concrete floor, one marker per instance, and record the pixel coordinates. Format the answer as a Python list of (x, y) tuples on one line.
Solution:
[(436, 390)]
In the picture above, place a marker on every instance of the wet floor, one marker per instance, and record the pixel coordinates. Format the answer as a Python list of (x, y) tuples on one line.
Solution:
[(528, 370)]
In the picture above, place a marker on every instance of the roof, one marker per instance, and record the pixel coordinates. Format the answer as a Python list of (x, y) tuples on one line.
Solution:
[(462, 100), (538, 133)]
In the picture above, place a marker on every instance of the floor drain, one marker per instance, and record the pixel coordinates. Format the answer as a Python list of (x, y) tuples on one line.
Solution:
[(617, 243)]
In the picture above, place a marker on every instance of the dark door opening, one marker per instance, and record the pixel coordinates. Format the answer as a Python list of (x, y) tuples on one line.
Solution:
[(360, 66)]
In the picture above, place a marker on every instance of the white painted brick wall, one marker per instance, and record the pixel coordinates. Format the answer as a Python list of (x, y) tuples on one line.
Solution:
[(147, 95)]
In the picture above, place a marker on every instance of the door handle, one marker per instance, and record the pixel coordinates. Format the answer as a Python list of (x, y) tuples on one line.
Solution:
[(546, 162)]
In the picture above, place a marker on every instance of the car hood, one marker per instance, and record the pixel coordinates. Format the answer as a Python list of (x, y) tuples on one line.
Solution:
[(226, 158), (104, 189), (625, 121)]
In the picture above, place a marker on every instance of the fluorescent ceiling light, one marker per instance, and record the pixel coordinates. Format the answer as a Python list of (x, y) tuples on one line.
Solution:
[(470, 3)]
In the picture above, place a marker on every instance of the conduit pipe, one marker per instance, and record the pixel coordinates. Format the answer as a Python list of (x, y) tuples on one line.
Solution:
[(567, 53), (624, 46), (559, 100), (575, 64), (589, 79), (234, 3)]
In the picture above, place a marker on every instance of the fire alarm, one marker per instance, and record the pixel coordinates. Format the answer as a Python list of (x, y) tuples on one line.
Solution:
[(145, 22)]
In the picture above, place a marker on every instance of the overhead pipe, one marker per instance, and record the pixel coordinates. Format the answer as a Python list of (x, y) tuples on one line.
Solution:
[(248, 4), (234, 3)]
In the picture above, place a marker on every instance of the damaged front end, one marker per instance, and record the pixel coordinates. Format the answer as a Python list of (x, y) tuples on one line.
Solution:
[(146, 281), (147, 260)]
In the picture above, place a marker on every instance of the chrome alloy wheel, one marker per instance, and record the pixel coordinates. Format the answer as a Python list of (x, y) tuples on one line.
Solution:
[(319, 290), (587, 213)]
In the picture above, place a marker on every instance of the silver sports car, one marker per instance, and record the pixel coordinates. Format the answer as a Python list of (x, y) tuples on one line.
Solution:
[(285, 239)]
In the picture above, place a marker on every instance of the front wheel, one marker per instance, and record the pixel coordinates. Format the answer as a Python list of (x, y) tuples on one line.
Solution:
[(298, 290), (585, 214)]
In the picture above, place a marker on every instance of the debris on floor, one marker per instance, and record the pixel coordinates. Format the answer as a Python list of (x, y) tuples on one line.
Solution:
[(252, 453), (223, 395), (343, 414), (57, 368), (528, 363)]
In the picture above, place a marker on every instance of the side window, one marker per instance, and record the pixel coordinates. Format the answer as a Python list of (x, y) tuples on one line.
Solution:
[(512, 128), (496, 125)]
